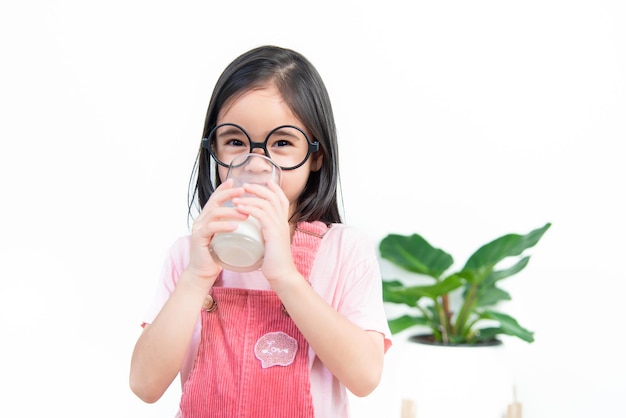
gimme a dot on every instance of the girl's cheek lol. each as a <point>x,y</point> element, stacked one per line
<point>222,172</point>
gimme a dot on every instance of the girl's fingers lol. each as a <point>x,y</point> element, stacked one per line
<point>218,200</point>
<point>217,217</point>
<point>220,219</point>
<point>222,194</point>
<point>271,193</point>
<point>270,207</point>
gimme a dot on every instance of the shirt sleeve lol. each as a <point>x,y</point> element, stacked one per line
<point>173,266</point>
<point>349,267</point>
<point>363,303</point>
<point>175,262</point>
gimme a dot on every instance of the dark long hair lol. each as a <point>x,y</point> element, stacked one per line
<point>303,90</point>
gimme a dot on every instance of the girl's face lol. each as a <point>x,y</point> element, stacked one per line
<point>259,111</point>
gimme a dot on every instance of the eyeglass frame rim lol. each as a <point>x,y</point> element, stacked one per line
<point>313,146</point>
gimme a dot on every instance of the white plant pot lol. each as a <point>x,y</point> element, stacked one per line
<point>453,381</point>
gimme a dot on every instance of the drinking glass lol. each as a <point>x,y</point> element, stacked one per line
<point>242,249</point>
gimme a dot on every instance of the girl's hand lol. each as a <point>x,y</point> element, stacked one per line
<point>271,207</point>
<point>214,218</point>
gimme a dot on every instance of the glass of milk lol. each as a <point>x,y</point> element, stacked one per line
<point>242,249</point>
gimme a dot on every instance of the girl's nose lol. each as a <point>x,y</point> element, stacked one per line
<point>258,151</point>
<point>260,163</point>
<point>257,168</point>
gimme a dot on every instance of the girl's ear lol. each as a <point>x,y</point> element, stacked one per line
<point>316,161</point>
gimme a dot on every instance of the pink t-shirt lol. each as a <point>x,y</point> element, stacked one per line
<point>345,274</point>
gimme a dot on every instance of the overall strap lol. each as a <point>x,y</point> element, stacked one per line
<point>304,245</point>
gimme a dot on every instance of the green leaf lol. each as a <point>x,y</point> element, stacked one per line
<point>491,296</point>
<point>394,291</point>
<point>447,285</point>
<point>487,334</point>
<point>503,274</point>
<point>481,263</point>
<point>406,321</point>
<point>509,326</point>
<point>413,253</point>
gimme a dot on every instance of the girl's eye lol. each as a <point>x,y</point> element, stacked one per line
<point>282,143</point>
<point>235,142</point>
<point>283,138</point>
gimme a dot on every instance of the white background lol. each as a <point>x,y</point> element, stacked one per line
<point>459,120</point>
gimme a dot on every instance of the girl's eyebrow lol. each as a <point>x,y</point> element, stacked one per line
<point>290,132</point>
<point>229,131</point>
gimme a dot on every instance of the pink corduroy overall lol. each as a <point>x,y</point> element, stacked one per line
<point>252,360</point>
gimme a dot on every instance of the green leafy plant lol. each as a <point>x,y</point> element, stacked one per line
<point>475,285</point>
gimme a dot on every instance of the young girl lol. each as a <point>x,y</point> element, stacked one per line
<point>288,339</point>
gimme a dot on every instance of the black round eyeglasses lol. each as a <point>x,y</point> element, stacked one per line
<point>287,145</point>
